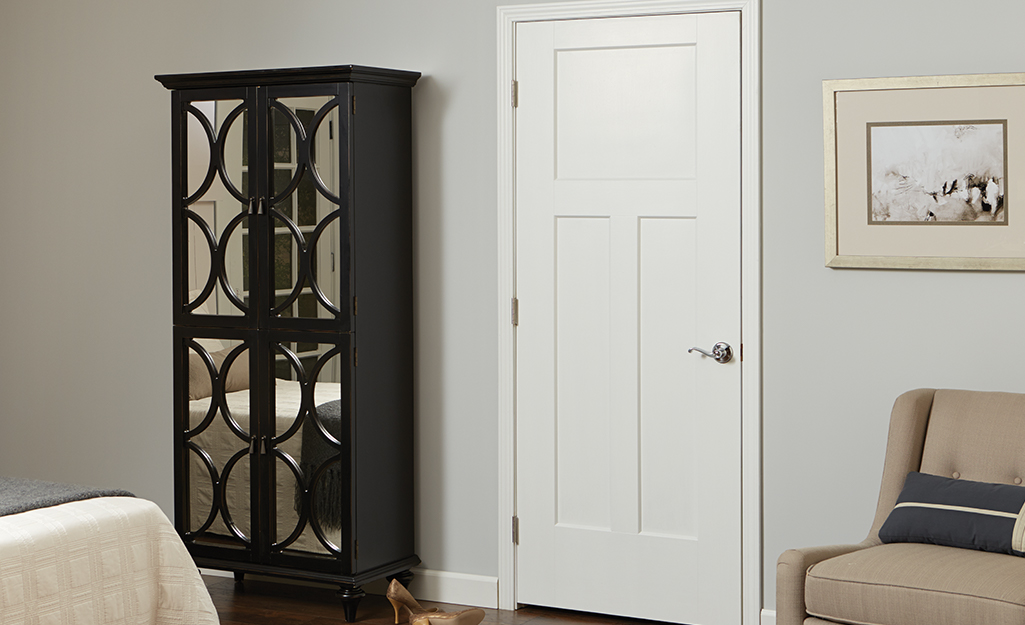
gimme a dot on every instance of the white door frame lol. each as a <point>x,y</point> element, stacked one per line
<point>751,272</point>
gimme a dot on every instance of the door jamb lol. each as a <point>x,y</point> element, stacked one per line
<point>751,272</point>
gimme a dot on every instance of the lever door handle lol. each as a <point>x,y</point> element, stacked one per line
<point>721,352</point>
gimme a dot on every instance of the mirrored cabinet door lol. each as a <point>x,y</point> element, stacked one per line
<point>311,445</point>
<point>308,200</point>
<point>216,216</point>
<point>263,219</point>
<point>219,430</point>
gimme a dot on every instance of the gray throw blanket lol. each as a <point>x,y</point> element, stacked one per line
<point>20,495</point>
<point>315,451</point>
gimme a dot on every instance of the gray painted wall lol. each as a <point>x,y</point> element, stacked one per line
<point>85,381</point>
<point>840,345</point>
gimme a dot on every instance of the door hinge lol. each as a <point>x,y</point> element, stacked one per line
<point>331,135</point>
<point>355,550</point>
<point>741,352</point>
<point>355,306</point>
<point>352,107</point>
<point>355,356</point>
<point>516,530</point>
<point>515,311</point>
<point>515,93</point>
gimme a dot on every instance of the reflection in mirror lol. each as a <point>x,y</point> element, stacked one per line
<point>200,383</point>
<point>218,207</point>
<point>309,201</point>
<point>234,377</point>
<point>219,440</point>
<point>198,142</point>
<point>199,259</point>
<point>284,251</point>
<point>326,499</point>
<point>305,444</point>
<point>288,490</point>
<point>237,499</point>
<point>295,363</point>
<point>201,501</point>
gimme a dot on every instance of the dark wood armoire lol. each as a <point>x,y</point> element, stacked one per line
<point>293,322</point>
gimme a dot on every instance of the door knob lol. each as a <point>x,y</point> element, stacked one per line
<point>722,352</point>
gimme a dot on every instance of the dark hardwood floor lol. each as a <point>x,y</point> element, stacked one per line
<point>261,602</point>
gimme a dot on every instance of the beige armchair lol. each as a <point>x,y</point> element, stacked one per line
<point>970,435</point>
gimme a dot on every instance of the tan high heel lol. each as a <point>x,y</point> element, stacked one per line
<point>473,616</point>
<point>400,599</point>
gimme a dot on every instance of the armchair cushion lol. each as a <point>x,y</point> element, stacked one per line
<point>917,584</point>
<point>958,513</point>
<point>791,569</point>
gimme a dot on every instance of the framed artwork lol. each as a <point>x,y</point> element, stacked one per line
<point>925,172</point>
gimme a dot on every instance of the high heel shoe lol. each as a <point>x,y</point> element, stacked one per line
<point>400,599</point>
<point>473,616</point>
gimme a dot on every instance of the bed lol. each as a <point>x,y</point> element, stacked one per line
<point>104,560</point>
<point>221,444</point>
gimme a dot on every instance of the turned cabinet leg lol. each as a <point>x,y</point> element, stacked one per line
<point>404,577</point>
<point>350,596</point>
<point>240,576</point>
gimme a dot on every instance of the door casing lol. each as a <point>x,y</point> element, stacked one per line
<point>751,269</point>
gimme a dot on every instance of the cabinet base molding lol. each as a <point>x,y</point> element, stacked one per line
<point>428,585</point>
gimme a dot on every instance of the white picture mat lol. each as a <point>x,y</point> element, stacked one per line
<point>855,109</point>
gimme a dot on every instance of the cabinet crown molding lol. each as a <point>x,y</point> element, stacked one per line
<point>288,76</point>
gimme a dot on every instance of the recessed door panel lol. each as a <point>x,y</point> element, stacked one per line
<point>616,129</point>
<point>667,271</point>
<point>582,371</point>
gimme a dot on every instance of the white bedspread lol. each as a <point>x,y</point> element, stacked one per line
<point>109,560</point>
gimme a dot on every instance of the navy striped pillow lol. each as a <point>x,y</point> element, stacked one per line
<point>958,513</point>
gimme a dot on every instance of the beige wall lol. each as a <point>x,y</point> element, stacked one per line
<point>85,377</point>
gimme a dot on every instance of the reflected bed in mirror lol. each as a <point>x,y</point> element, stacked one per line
<point>308,449</point>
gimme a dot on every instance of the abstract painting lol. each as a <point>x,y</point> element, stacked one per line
<point>921,172</point>
<point>937,172</point>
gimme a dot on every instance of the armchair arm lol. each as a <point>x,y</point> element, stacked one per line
<point>791,568</point>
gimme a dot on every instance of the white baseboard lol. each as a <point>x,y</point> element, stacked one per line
<point>445,587</point>
<point>768,617</point>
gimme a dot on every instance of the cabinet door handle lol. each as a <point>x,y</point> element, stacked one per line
<point>261,207</point>
<point>252,206</point>
<point>252,445</point>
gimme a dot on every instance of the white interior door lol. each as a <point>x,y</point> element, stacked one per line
<point>628,254</point>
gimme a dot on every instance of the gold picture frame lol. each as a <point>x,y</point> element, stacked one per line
<point>924,172</point>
